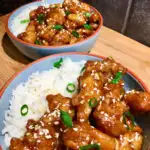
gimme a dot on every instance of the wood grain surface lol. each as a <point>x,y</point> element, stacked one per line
<point>128,52</point>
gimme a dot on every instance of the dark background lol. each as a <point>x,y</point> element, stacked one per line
<point>129,17</point>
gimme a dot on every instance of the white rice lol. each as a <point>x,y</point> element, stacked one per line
<point>33,93</point>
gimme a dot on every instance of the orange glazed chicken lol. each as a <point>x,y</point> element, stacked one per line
<point>97,117</point>
<point>61,24</point>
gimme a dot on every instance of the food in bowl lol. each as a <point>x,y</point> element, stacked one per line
<point>85,107</point>
<point>60,24</point>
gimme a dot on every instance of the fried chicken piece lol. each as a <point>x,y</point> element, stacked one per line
<point>42,134</point>
<point>56,16</point>
<point>83,134</point>
<point>130,141</point>
<point>89,88</point>
<point>61,38</point>
<point>138,101</point>
<point>60,102</point>
<point>109,112</point>
<point>30,34</point>
<point>17,144</point>
<point>91,84</point>
<point>79,19</point>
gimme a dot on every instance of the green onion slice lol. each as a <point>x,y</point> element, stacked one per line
<point>66,119</point>
<point>93,102</point>
<point>83,69</point>
<point>90,146</point>
<point>87,14</point>
<point>87,26</point>
<point>129,115</point>
<point>58,27</point>
<point>24,21</point>
<point>71,87</point>
<point>38,42</point>
<point>58,63</point>
<point>75,34</point>
<point>24,110</point>
<point>117,78</point>
<point>67,13</point>
<point>41,18</point>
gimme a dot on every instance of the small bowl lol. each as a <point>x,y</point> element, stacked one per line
<point>36,51</point>
<point>130,79</point>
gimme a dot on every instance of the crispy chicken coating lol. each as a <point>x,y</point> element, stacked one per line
<point>110,111</point>
<point>138,101</point>
<point>83,134</point>
<point>42,134</point>
<point>130,141</point>
<point>60,102</point>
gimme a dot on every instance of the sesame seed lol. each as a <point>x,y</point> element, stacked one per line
<point>82,120</point>
<point>75,129</point>
<point>56,122</point>
<point>48,136</point>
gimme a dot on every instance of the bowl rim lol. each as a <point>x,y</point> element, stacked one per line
<point>2,90</point>
<point>6,20</point>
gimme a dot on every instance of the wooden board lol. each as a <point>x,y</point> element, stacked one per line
<point>128,52</point>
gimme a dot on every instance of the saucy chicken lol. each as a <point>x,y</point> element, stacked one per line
<point>97,117</point>
<point>60,24</point>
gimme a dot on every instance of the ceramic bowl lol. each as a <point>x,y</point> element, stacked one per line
<point>46,63</point>
<point>36,51</point>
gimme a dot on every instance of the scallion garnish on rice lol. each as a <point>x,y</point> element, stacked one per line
<point>93,102</point>
<point>58,63</point>
<point>90,146</point>
<point>66,119</point>
<point>128,115</point>
<point>24,21</point>
<point>83,69</point>
<point>71,87</point>
<point>117,78</point>
<point>24,110</point>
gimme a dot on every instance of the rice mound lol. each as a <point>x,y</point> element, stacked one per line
<point>33,93</point>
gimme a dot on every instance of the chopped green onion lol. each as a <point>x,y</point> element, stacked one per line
<point>58,27</point>
<point>38,42</point>
<point>71,87</point>
<point>41,18</point>
<point>117,78</point>
<point>67,13</point>
<point>83,69</point>
<point>90,146</point>
<point>93,102</point>
<point>24,21</point>
<point>24,110</point>
<point>58,63</point>
<point>87,26</point>
<point>125,116</point>
<point>75,34</point>
<point>66,119</point>
<point>87,14</point>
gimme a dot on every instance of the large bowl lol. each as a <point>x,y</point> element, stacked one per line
<point>36,51</point>
<point>130,79</point>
